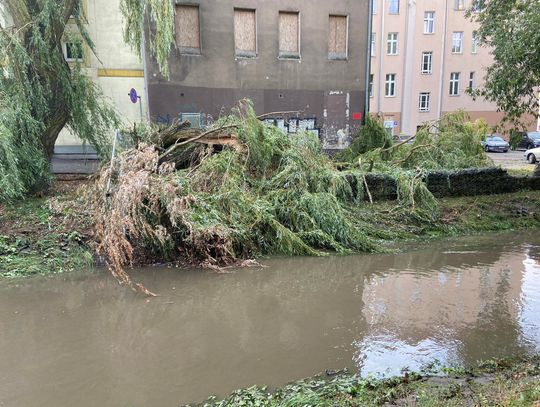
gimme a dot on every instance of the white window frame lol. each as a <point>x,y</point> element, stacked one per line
<point>427,59</point>
<point>459,4</point>
<point>375,6</point>
<point>424,101</point>
<point>371,84</point>
<point>472,80</point>
<point>392,43</point>
<point>64,50</point>
<point>390,85</point>
<point>457,42</point>
<point>373,44</point>
<point>429,22</point>
<point>454,83</point>
<point>393,6</point>
<point>474,43</point>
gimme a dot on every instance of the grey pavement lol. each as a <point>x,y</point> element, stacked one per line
<point>74,164</point>
<point>511,160</point>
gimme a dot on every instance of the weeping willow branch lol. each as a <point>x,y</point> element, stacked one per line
<point>160,15</point>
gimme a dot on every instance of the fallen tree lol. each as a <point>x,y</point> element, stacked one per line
<point>242,189</point>
<point>264,193</point>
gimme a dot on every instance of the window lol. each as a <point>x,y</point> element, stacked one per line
<point>73,51</point>
<point>375,6</point>
<point>394,7</point>
<point>478,5</point>
<point>459,4</point>
<point>429,22</point>
<point>390,85</point>
<point>457,42</point>
<point>392,44</point>
<point>373,47</point>
<point>371,85</point>
<point>427,62</point>
<point>338,38</point>
<point>474,45</point>
<point>289,34</point>
<point>472,80</point>
<point>454,84</point>
<point>245,33</point>
<point>188,39</point>
<point>423,102</point>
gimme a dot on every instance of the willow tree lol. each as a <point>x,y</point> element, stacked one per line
<point>509,28</point>
<point>41,93</point>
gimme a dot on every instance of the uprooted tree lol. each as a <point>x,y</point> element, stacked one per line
<point>243,189</point>
<point>41,93</point>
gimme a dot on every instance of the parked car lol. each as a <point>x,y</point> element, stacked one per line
<point>495,142</point>
<point>529,140</point>
<point>532,155</point>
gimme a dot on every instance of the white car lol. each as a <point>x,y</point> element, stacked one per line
<point>532,155</point>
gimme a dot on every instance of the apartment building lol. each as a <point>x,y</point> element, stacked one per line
<point>309,56</point>
<point>424,56</point>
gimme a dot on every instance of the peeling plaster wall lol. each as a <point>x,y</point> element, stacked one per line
<point>329,94</point>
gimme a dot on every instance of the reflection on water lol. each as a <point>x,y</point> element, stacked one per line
<point>79,340</point>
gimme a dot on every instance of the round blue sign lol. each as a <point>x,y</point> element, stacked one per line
<point>133,95</point>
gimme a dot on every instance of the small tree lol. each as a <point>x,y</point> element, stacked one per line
<point>509,28</point>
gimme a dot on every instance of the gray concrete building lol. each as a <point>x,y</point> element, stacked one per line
<point>308,56</point>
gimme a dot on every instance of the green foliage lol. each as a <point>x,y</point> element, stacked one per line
<point>41,93</point>
<point>159,14</point>
<point>450,144</point>
<point>270,194</point>
<point>372,135</point>
<point>509,28</point>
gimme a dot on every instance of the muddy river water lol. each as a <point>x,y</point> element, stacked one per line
<point>79,340</point>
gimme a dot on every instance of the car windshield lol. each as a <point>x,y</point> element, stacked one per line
<point>535,135</point>
<point>495,138</point>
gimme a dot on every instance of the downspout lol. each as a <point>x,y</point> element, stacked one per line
<point>145,69</point>
<point>368,60</point>
<point>381,55</point>
<point>407,64</point>
<point>443,59</point>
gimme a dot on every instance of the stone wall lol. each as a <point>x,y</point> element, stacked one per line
<point>470,182</point>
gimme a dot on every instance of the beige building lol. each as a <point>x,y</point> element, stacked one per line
<point>424,55</point>
<point>115,68</point>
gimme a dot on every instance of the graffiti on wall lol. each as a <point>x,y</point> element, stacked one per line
<point>294,125</point>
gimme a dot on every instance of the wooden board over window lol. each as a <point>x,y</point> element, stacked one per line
<point>338,37</point>
<point>188,37</point>
<point>245,33</point>
<point>289,34</point>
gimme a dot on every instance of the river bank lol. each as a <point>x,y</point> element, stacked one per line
<point>53,234</point>
<point>506,383</point>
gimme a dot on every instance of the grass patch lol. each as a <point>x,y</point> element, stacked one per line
<point>493,383</point>
<point>45,235</point>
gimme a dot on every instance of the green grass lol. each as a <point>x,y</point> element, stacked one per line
<point>496,383</point>
<point>43,236</point>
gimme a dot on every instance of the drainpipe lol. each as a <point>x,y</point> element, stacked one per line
<point>443,60</point>
<point>381,55</point>
<point>408,64</point>
<point>368,60</point>
<point>145,70</point>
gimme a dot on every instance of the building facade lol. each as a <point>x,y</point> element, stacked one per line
<point>285,55</point>
<point>115,68</point>
<point>424,56</point>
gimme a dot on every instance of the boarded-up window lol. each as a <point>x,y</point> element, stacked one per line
<point>245,33</point>
<point>337,37</point>
<point>289,35</point>
<point>188,37</point>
